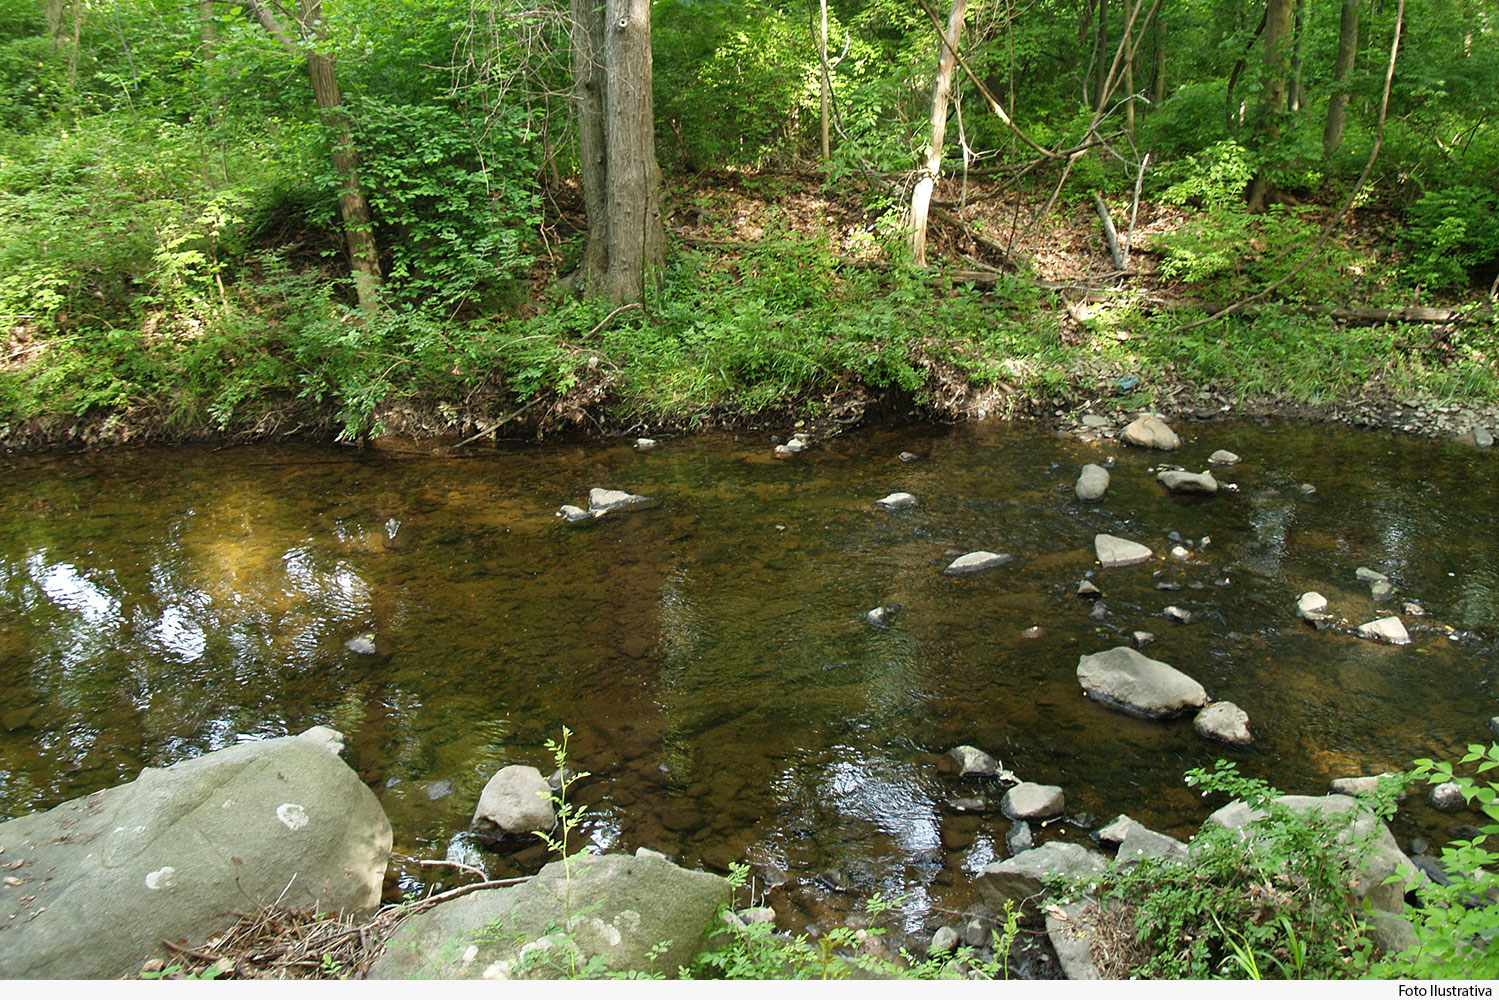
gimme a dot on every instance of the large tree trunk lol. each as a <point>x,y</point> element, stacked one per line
<point>627,244</point>
<point>1337,104</point>
<point>1278,20</point>
<point>364,256</point>
<point>921,196</point>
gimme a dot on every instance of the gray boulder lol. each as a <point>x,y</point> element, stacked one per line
<point>1223,457</point>
<point>945,940</point>
<point>1114,831</point>
<point>1224,721</point>
<point>615,908</point>
<point>1142,842</point>
<point>975,562</point>
<point>1365,784</point>
<point>603,501</point>
<point>1113,551</point>
<point>1390,630</point>
<point>104,879</point>
<point>1018,837</point>
<point>1092,483</point>
<point>1029,800</point>
<point>1071,934</point>
<point>1182,481</point>
<point>1312,606</point>
<point>516,802</point>
<point>1022,879</point>
<point>1477,437</point>
<point>1382,859</point>
<point>1132,682</point>
<point>896,501</point>
<point>974,763</point>
<point>1150,431</point>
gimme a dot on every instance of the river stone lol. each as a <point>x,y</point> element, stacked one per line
<point>1381,591</point>
<point>1088,589</point>
<point>1366,575</point>
<point>974,562</point>
<point>607,500</point>
<point>1150,431</point>
<point>1095,421</point>
<point>1021,879</point>
<point>1365,784</point>
<point>896,501</point>
<point>1223,457</point>
<point>878,617</point>
<point>908,457</point>
<point>945,940</point>
<point>1132,682</point>
<point>1390,630</point>
<point>1476,437</point>
<point>644,444</point>
<point>1113,551</point>
<point>1018,837</point>
<point>1115,830</point>
<point>517,802</point>
<point>1494,726</point>
<point>973,762</point>
<point>1029,800</point>
<point>1182,481</point>
<point>1177,614</point>
<point>1447,795</point>
<point>1311,606</point>
<point>362,644</point>
<point>1142,842</point>
<point>1071,934</point>
<point>1224,721</point>
<point>1382,859</point>
<point>1142,638</point>
<point>623,909</point>
<point>1092,483</point>
<point>172,854</point>
<point>573,514</point>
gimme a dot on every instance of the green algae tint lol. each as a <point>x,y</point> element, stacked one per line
<point>710,652</point>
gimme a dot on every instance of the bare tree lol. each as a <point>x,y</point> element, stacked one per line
<point>921,195</point>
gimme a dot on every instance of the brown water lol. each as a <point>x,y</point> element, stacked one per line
<point>709,652</point>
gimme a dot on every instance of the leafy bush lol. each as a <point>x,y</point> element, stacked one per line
<point>1449,236</point>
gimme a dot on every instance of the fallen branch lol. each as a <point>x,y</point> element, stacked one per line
<point>1109,234</point>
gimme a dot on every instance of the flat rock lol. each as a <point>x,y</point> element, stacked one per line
<point>1113,551</point>
<point>1176,614</point>
<point>896,501</point>
<point>1092,483</point>
<point>516,802</point>
<point>1095,421</point>
<point>1142,842</point>
<point>1115,830</point>
<point>1391,630</point>
<point>974,562</point>
<point>1071,935</point>
<point>1150,431</point>
<point>1223,457</point>
<point>574,514</point>
<point>1312,606</point>
<point>1224,721</point>
<point>1022,879</point>
<point>100,881</point>
<point>1029,800</point>
<point>1182,481</point>
<point>1125,679</point>
<point>631,914</point>
<point>604,501</point>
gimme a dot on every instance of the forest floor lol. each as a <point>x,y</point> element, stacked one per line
<point>1023,316</point>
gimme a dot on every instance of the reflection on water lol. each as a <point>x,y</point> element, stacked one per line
<point>710,654</point>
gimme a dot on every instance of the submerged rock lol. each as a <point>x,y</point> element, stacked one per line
<point>1182,481</point>
<point>896,501</point>
<point>1366,575</point>
<point>1224,721</point>
<point>1391,630</point>
<point>1092,483</point>
<point>1447,795</point>
<point>1113,551</point>
<point>1150,431</point>
<point>362,644</point>
<point>975,562</point>
<point>1134,683</point>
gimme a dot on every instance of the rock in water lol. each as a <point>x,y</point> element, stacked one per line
<point>1366,575</point>
<point>1223,457</point>
<point>1224,721</point>
<point>641,914</point>
<point>1312,606</point>
<point>517,802</point>
<point>1476,437</point>
<point>644,444</point>
<point>944,941</point>
<point>896,501</point>
<point>878,617</point>
<point>1447,795</point>
<point>1132,682</point>
<point>100,881</point>
<point>604,501</point>
<point>1029,800</point>
<point>1150,431</point>
<point>574,514</point>
<point>975,562</point>
<point>1176,614</point>
<point>1088,590</point>
<point>1092,483</point>
<point>1018,837</point>
<point>908,457</point>
<point>1391,630</point>
<point>1114,551</point>
<point>1022,879</point>
<point>362,644</point>
<point>1181,481</point>
<point>973,762</point>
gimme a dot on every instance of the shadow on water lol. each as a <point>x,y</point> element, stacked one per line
<point>710,654</point>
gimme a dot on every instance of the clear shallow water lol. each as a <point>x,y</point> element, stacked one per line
<point>709,652</point>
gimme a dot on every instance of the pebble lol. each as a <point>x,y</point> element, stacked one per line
<point>908,457</point>
<point>1223,457</point>
<point>1143,638</point>
<point>1176,614</point>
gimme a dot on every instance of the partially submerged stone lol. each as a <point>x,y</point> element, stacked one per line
<point>975,562</point>
<point>1029,800</point>
<point>1390,630</point>
<point>1176,614</point>
<point>1150,431</point>
<point>1312,606</point>
<point>603,501</point>
<point>1092,483</point>
<point>1223,457</point>
<point>515,803</point>
<point>1134,683</point>
<point>1224,721</point>
<point>1113,551</point>
<point>1022,878</point>
<point>896,501</point>
<point>575,514</point>
<point>1182,481</point>
<point>973,762</point>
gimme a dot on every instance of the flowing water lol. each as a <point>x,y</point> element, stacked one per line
<point>709,652</point>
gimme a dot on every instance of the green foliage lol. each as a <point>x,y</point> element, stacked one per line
<point>1456,925</point>
<point>1449,236</point>
<point>1266,901</point>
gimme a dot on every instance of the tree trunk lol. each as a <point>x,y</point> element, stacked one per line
<point>1337,104</point>
<point>921,196</point>
<point>1158,65</point>
<point>827,85</point>
<point>206,27</point>
<point>1278,19</point>
<point>1100,48</point>
<point>364,256</point>
<point>626,241</point>
<point>1294,94</point>
<point>1129,72</point>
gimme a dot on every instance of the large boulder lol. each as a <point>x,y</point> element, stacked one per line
<point>516,802</point>
<point>1382,858</point>
<point>102,880</point>
<point>640,914</point>
<point>1022,879</point>
<point>1132,682</point>
<point>1028,800</point>
<point>1150,431</point>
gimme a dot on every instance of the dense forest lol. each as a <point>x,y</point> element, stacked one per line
<point>449,215</point>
